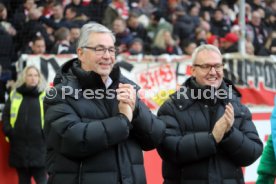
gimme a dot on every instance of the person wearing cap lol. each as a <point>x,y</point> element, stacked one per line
<point>229,43</point>
<point>136,47</point>
<point>209,138</point>
<point>213,40</point>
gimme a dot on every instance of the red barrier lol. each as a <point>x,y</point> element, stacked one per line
<point>7,174</point>
<point>153,165</point>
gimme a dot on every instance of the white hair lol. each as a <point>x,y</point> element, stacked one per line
<point>208,47</point>
<point>89,28</point>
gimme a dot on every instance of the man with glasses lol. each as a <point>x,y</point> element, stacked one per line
<point>209,133</point>
<point>96,126</point>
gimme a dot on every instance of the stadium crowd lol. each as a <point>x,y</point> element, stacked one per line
<point>151,27</point>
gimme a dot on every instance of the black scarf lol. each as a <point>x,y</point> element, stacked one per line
<point>28,90</point>
<point>206,94</point>
<point>91,79</point>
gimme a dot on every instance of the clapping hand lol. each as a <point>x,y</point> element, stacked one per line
<point>224,124</point>
<point>126,96</point>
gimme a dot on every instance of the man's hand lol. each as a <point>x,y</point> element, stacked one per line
<point>127,94</point>
<point>127,99</point>
<point>229,116</point>
<point>224,124</point>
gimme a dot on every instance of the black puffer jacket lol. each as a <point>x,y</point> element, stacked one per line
<point>189,152</point>
<point>26,138</point>
<point>88,141</point>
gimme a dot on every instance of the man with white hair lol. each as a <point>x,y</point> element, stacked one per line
<point>96,126</point>
<point>209,133</point>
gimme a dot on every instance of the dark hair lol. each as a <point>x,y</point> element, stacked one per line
<point>218,9</point>
<point>157,14</point>
<point>136,40</point>
<point>36,38</point>
<point>61,34</point>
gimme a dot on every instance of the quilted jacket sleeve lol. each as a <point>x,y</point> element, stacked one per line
<point>178,147</point>
<point>72,137</point>
<point>243,144</point>
<point>148,129</point>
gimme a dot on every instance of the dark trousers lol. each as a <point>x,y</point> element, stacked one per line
<point>25,175</point>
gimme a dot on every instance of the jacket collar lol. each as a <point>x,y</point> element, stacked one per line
<point>69,73</point>
<point>184,97</point>
<point>92,80</point>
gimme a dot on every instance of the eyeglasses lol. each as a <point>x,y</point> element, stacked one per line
<point>207,67</point>
<point>99,50</point>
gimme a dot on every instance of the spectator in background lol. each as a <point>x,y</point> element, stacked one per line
<point>229,43</point>
<point>163,43</point>
<point>23,125</point>
<point>157,22</point>
<point>183,26</point>
<point>96,9</point>
<point>122,34</point>
<point>6,83</point>
<point>271,6</point>
<point>208,137</point>
<point>270,21</point>
<point>219,25</point>
<point>236,29</point>
<point>57,19</point>
<point>5,25</point>
<point>138,30</point>
<point>194,10</point>
<point>208,5</point>
<point>205,25</point>
<point>213,40</point>
<point>200,36</point>
<point>72,17</point>
<point>177,44</point>
<point>74,36</point>
<point>21,16</point>
<point>174,8</point>
<point>256,31</point>
<point>189,47</point>
<point>7,45</point>
<point>255,4</point>
<point>143,7</point>
<point>77,6</point>
<point>249,48</point>
<point>62,42</point>
<point>102,136</point>
<point>161,5</point>
<point>115,9</point>
<point>136,47</point>
<point>270,45</point>
<point>7,50</point>
<point>37,46</point>
<point>229,14</point>
<point>33,28</point>
<point>205,16</point>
